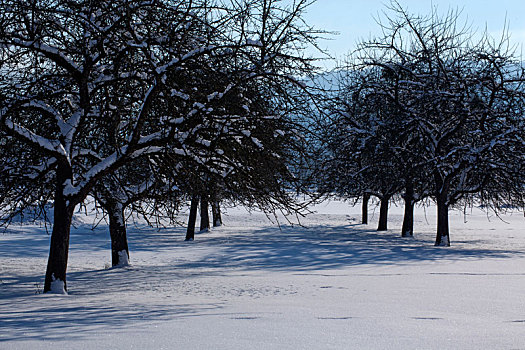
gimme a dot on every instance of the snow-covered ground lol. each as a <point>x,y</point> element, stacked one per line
<point>333,284</point>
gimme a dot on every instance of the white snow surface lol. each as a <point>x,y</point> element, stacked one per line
<point>332,284</point>
<point>57,286</point>
<point>123,258</point>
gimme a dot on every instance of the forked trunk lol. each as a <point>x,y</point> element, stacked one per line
<point>205,216</point>
<point>383,214</point>
<point>55,280</point>
<point>442,236</point>
<point>216,213</point>
<point>408,219</point>
<point>364,208</point>
<point>190,231</point>
<point>117,232</point>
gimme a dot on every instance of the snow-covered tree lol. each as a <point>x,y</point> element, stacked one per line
<point>71,71</point>
<point>244,107</point>
<point>459,103</point>
<point>136,189</point>
<point>360,158</point>
<point>369,120</point>
<point>62,60</point>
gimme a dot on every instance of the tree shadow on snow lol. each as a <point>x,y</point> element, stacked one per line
<point>330,247</point>
<point>174,271</point>
<point>58,319</point>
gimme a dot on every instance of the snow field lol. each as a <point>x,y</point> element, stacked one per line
<point>332,284</point>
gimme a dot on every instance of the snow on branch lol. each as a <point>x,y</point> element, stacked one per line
<point>198,51</point>
<point>106,164</point>
<point>146,104</point>
<point>219,95</point>
<point>53,146</point>
<point>52,53</point>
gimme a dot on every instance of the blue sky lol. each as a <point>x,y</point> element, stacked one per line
<point>354,19</point>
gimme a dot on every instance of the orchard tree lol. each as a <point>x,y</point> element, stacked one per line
<point>241,139</point>
<point>25,182</point>
<point>360,157</point>
<point>72,68</point>
<point>244,113</point>
<point>136,189</point>
<point>59,58</point>
<point>462,100</point>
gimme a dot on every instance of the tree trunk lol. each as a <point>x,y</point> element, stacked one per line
<point>190,231</point>
<point>383,214</point>
<point>408,219</point>
<point>216,213</point>
<point>364,208</point>
<point>55,280</point>
<point>117,232</point>
<point>442,236</point>
<point>205,216</point>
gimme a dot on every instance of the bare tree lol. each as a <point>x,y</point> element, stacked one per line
<point>135,189</point>
<point>460,103</point>
<point>72,71</point>
<point>361,144</point>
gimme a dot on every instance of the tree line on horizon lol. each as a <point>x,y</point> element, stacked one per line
<point>148,106</point>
